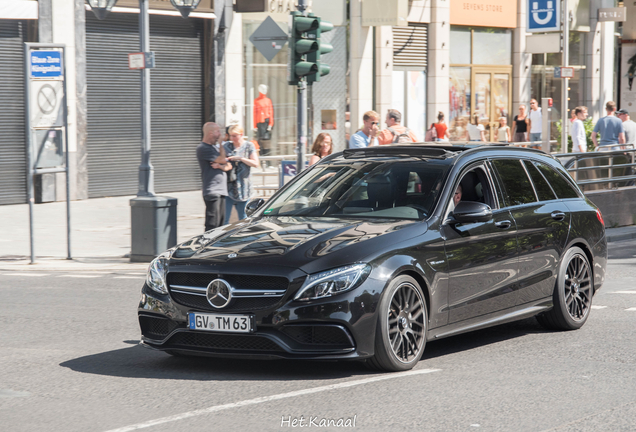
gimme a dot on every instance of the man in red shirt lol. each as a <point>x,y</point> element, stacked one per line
<point>395,133</point>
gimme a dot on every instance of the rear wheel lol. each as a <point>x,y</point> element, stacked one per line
<point>401,331</point>
<point>572,293</point>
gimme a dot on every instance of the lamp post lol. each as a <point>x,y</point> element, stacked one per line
<point>153,218</point>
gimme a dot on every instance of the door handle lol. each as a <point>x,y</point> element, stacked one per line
<point>504,224</point>
<point>557,215</point>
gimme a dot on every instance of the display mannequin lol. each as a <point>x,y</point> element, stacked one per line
<point>263,119</point>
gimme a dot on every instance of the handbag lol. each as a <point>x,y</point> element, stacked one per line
<point>231,174</point>
<point>431,134</point>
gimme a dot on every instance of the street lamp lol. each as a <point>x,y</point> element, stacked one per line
<point>185,6</point>
<point>101,7</point>
<point>153,218</point>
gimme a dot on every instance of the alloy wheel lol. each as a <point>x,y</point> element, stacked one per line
<point>406,323</point>
<point>578,288</point>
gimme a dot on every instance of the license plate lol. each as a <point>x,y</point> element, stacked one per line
<point>221,323</point>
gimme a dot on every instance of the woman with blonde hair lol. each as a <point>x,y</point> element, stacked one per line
<point>322,147</point>
<point>243,156</point>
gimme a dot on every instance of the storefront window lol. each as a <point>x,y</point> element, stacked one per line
<point>459,115</point>
<point>492,46</point>
<point>270,107</point>
<point>460,45</point>
<point>409,97</point>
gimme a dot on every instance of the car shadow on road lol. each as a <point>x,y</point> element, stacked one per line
<point>138,362</point>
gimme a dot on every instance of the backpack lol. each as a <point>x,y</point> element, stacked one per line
<point>431,134</point>
<point>401,138</point>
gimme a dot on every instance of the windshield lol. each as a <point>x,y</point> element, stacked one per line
<point>398,189</point>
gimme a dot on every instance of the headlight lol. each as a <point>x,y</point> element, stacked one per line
<point>156,278</point>
<point>333,282</point>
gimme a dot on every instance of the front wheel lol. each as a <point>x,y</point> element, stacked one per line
<point>401,330</point>
<point>572,295</point>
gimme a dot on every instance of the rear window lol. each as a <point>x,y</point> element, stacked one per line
<point>544,191</point>
<point>561,186</point>
<point>516,183</point>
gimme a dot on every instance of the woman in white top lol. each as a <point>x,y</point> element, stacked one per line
<point>476,131</point>
<point>579,142</point>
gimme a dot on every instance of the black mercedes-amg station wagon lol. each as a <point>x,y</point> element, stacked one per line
<point>372,252</point>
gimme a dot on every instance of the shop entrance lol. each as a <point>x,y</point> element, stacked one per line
<point>492,87</point>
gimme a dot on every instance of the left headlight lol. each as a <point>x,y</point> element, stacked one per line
<point>331,282</point>
<point>156,277</point>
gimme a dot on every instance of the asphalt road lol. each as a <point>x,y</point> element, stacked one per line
<point>69,361</point>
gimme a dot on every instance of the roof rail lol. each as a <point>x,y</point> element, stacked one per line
<point>411,150</point>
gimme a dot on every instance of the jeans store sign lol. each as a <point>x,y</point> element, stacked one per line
<point>544,16</point>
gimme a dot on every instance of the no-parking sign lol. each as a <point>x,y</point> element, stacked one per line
<point>544,16</point>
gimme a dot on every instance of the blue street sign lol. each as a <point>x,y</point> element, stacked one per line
<point>557,72</point>
<point>45,64</point>
<point>544,16</point>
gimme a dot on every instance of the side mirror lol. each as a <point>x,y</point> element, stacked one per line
<point>471,211</point>
<point>253,205</point>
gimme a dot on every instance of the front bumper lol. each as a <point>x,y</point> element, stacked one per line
<point>339,327</point>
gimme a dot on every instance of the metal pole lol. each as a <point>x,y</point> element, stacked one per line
<point>601,87</point>
<point>29,143</point>
<point>301,110</point>
<point>565,121</point>
<point>146,170</point>
<point>68,181</point>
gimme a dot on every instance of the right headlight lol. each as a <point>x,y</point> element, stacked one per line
<point>157,270</point>
<point>331,282</point>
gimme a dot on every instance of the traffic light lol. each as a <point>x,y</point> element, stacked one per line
<point>305,48</point>
<point>323,48</point>
<point>301,43</point>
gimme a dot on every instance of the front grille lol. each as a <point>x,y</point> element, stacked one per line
<point>257,300</point>
<point>238,304</point>
<point>263,283</point>
<point>318,334</point>
<point>223,342</point>
<point>155,327</point>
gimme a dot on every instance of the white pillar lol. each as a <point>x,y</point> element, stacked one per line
<point>521,62</point>
<point>438,60</point>
<point>361,55</point>
<point>384,70</point>
<point>593,62</point>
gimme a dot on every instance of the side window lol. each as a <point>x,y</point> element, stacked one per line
<point>561,186</point>
<point>544,191</point>
<point>515,181</point>
<point>475,186</point>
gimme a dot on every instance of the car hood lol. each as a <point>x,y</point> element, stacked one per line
<point>309,244</point>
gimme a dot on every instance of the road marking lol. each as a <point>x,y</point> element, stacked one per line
<point>598,307</point>
<point>80,276</point>
<point>264,399</point>
<point>27,274</point>
<point>631,309</point>
<point>623,292</point>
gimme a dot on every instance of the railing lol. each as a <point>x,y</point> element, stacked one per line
<point>609,167</point>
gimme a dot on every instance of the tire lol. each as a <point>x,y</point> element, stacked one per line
<point>572,295</point>
<point>400,335</point>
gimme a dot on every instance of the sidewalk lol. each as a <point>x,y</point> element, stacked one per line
<point>100,233</point>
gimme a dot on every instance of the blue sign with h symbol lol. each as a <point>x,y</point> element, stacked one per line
<point>544,15</point>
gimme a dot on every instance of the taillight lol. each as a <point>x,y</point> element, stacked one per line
<point>599,216</point>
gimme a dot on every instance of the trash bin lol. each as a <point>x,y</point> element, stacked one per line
<point>153,226</point>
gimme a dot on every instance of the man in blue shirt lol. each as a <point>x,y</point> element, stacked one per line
<point>366,136</point>
<point>610,128</point>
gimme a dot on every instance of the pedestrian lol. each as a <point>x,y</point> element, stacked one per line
<point>476,131</point>
<point>610,127</point>
<point>441,128</point>
<point>213,164</point>
<point>322,147</point>
<point>520,127</point>
<point>629,125</point>
<point>503,133</point>
<point>366,136</point>
<point>579,142</point>
<point>395,133</point>
<point>243,157</point>
<point>535,123</point>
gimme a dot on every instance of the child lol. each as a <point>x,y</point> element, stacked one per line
<point>503,134</point>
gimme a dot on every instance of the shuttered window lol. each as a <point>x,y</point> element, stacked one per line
<point>12,127</point>
<point>114,106</point>
<point>410,47</point>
